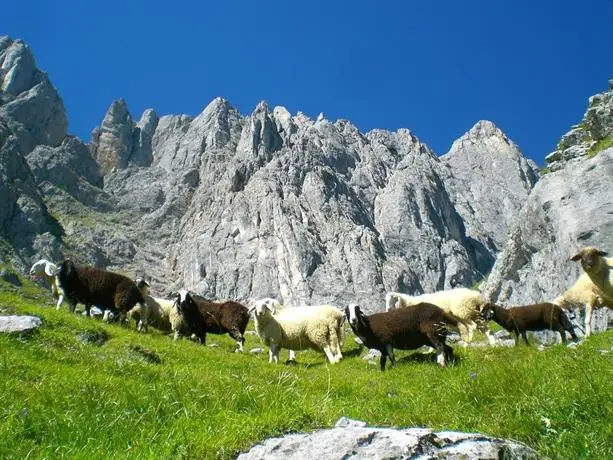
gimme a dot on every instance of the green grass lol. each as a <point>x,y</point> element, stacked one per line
<point>63,398</point>
<point>599,146</point>
<point>544,170</point>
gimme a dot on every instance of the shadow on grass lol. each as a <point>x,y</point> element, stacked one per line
<point>425,358</point>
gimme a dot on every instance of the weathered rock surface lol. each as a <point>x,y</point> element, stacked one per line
<point>568,209</point>
<point>490,180</point>
<point>351,439</point>
<point>14,323</point>
<point>585,138</point>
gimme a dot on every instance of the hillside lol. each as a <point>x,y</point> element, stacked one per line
<point>80,388</point>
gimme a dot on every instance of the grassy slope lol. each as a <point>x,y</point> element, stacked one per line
<point>61,397</point>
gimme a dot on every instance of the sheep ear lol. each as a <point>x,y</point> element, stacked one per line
<point>251,309</point>
<point>271,308</point>
<point>576,257</point>
<point>602,253</point>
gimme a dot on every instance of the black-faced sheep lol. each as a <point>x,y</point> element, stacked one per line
<point>405,329</point>
<point>202,316</point>
<point>45,269</point>
<point>537,317</point>
<point>316,327</point>
<point>594,288</point>
<point>465,304</point>
<point>94,286</point>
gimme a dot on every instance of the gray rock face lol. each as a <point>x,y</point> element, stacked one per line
<point>310,212</point>
<point>23,215</point>
<point>13,323</point>
<point>567,210</point>
<point>350,439</point>
<point>584,138</point>
<point>490,180</point>
<point>27,97</point>
<point>119,141</point>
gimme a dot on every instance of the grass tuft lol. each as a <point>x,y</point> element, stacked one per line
<point>144,396</point>
<point>599,146</point>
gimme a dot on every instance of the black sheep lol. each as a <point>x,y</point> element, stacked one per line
<point>406,329</point>
<point>536,317</point>
<point>202,316</point>
<point>94,286</point>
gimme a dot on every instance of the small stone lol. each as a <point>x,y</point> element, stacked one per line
<point>345,422</point>
<point>256,351</point>
<point>15,323</point>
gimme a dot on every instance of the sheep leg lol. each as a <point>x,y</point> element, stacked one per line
<point>273,354</point>
<point>334,345</point>
<point>87,309</point>
<point>383,359</point>
<point>588,319</point>
<point>329,354</point>
<point>470,327</point>
<point>562,332</point>
<point>60,299</point>
<point>525,337</point>
<point>176,335</point>
<point>486,330</point>
<point>439,346</point>
<point>291,355</point>
<point>240,340</point>
<point>448,352</point>
<point>390,352</point>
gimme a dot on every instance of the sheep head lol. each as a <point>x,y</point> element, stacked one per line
<point>488,310</point>
<point>261,307</point>
<point>590,258</point>
<point>143,286</point>
<point>182,300</point>
<point>354,314</point>
<point>67,267</point>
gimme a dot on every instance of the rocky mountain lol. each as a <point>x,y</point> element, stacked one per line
<point>31,114</point>
<point>269,203</point>
<point>272,204</point>
<point>569,208</point>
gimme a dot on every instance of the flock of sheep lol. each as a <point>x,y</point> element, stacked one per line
<point>409,322</point>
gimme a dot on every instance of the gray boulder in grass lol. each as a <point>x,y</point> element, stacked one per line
<point>16,323</point>
<point>352,439</point>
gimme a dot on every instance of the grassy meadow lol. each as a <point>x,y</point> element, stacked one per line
<point>145,396</point>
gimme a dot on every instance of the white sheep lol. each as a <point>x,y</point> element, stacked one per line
<point>46,269</point>
<point>594,288</point>
<point>163,314</point>
<point>463,303</point>
<point>298,328</point>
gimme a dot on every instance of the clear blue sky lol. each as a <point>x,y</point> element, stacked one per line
<point>435,67</point>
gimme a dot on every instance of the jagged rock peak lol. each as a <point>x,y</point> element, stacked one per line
<point>218,105</point>
<point>147,120</point>
<point>17,66</point>
<point>481,131</point>
<point>28,97</point>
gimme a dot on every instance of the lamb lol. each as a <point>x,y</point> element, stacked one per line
<point>405,329</point>
<point>594,288</point>
<point>94,286</point>
<point>536,317</point>
<point>465,304</point>
<point>163,314</point>
<point>316,327</point>
<point>202,316</point>
<point>45,269</point>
